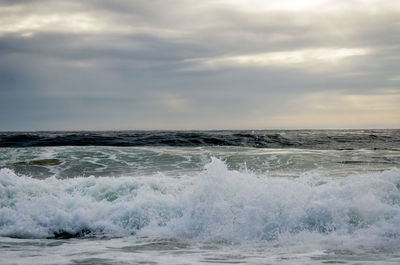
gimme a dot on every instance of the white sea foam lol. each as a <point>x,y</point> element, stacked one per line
<point>215,205</point>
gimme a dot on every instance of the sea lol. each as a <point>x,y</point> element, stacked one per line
<point>200,197</point>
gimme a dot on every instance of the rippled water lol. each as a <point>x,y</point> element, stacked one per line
<point>306,139</point>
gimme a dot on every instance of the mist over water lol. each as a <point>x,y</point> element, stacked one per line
<point>203,204</point>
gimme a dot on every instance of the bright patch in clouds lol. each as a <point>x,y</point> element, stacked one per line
<point>297,58</point>
<point>50,22</point>
<point>311,5</point>
<point>262,5</point>
<point>173,102</point>
<point>338,109</point>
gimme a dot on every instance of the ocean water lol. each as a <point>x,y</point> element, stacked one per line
<point>224,197</point>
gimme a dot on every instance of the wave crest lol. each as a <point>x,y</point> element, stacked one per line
<point>217,204</point>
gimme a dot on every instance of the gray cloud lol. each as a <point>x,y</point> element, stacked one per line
<point>140,64</point>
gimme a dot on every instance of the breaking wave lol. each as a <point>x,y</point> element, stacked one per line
<point>215,205</point>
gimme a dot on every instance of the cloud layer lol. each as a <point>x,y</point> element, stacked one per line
<point>189,64</point>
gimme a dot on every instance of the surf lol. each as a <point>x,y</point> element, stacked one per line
<point>216,204</point>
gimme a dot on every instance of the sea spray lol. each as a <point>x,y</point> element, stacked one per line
<point>216,204</point>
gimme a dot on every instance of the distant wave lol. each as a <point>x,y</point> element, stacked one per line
<point>313,139</point>
<point>216,205</point>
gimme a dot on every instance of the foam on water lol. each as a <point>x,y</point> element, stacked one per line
<point>217,205</point>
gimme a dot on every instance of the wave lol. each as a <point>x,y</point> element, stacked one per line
<point>215,205</point>
<point>310,139</point>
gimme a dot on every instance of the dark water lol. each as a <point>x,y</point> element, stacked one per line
<point>306,139</point>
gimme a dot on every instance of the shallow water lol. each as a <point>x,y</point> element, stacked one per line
<point>196,205</point>
<point>136,250</point>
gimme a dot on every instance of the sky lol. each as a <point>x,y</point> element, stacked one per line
<point>189,64</point>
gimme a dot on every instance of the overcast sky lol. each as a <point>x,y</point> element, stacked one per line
<point>190,64</point>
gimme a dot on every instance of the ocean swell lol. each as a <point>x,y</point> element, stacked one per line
<point>309,139</point>
<point>215,205</point>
